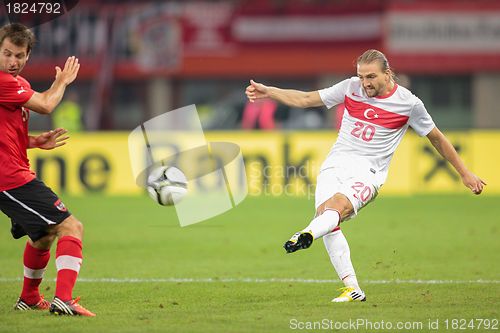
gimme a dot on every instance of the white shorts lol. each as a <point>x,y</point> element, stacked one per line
<point>354,180</point>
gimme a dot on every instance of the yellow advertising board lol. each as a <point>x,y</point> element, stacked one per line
<point>276,163</point>
<point>93,162</point>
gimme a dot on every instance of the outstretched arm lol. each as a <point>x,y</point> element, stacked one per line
<point>46,102</point>
<point>290,97</point>
<point>446,149</point>
<point>49,140</point>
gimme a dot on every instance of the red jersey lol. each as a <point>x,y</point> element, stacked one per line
<point>14,164</point>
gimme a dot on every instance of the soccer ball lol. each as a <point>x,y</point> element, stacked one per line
<point>167,185</point>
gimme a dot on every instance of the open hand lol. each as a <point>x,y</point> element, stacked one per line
<point>69,72</point>
<point>51,139</point>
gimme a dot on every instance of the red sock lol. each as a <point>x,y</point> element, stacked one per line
<point>35,261</point>
<point>68,261</point>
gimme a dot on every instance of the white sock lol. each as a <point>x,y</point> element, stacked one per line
<point>323,224</point>
<point>340,256</point>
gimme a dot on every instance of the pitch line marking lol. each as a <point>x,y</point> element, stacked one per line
<point>259,280</point>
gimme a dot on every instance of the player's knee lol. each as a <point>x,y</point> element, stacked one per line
<point>338,202</point>
<point>44,243</point>
<point>78,226</point>
<point>342,199</point>
<point>71,226</point>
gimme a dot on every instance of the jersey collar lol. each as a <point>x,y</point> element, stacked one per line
<point>390,93</point>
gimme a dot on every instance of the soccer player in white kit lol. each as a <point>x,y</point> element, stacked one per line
<point>377,114</point>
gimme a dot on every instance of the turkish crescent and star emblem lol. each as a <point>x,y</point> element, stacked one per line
<point>370,114</point>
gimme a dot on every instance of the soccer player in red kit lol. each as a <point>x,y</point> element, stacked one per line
<point>377,113</point>
<point>32,207</point>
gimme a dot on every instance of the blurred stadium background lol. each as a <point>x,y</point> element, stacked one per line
<point>140,59</point>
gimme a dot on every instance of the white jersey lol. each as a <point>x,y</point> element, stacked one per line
<point>372,127</point>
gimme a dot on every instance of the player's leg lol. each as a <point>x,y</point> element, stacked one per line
<point>35,210</point>
<point>359,191</point>
<point>336,243</point>
<point>68,261</point>
<point>35,259</point>
<point>68,256</point>
<point>340,257</point>
<point>328,216</point>
<point>22,205</point>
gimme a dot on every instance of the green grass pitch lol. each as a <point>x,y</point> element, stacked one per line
<point>136,255</point>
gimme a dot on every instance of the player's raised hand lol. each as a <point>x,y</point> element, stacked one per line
<point>256,90</point>
<point>69,72</point>
<point>51,139</point>
<point>473,182</point>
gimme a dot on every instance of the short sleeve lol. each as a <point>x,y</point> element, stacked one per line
<point>420,120</point>
<point>335,94</point>
<point>12,91</point>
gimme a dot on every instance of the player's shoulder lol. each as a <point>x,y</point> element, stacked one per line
<point>405,94</point>
<point>352,84</point>
<point>343,86</point>
<point>23,81</point>
<point>354,81</point>
<point>8,79</point>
